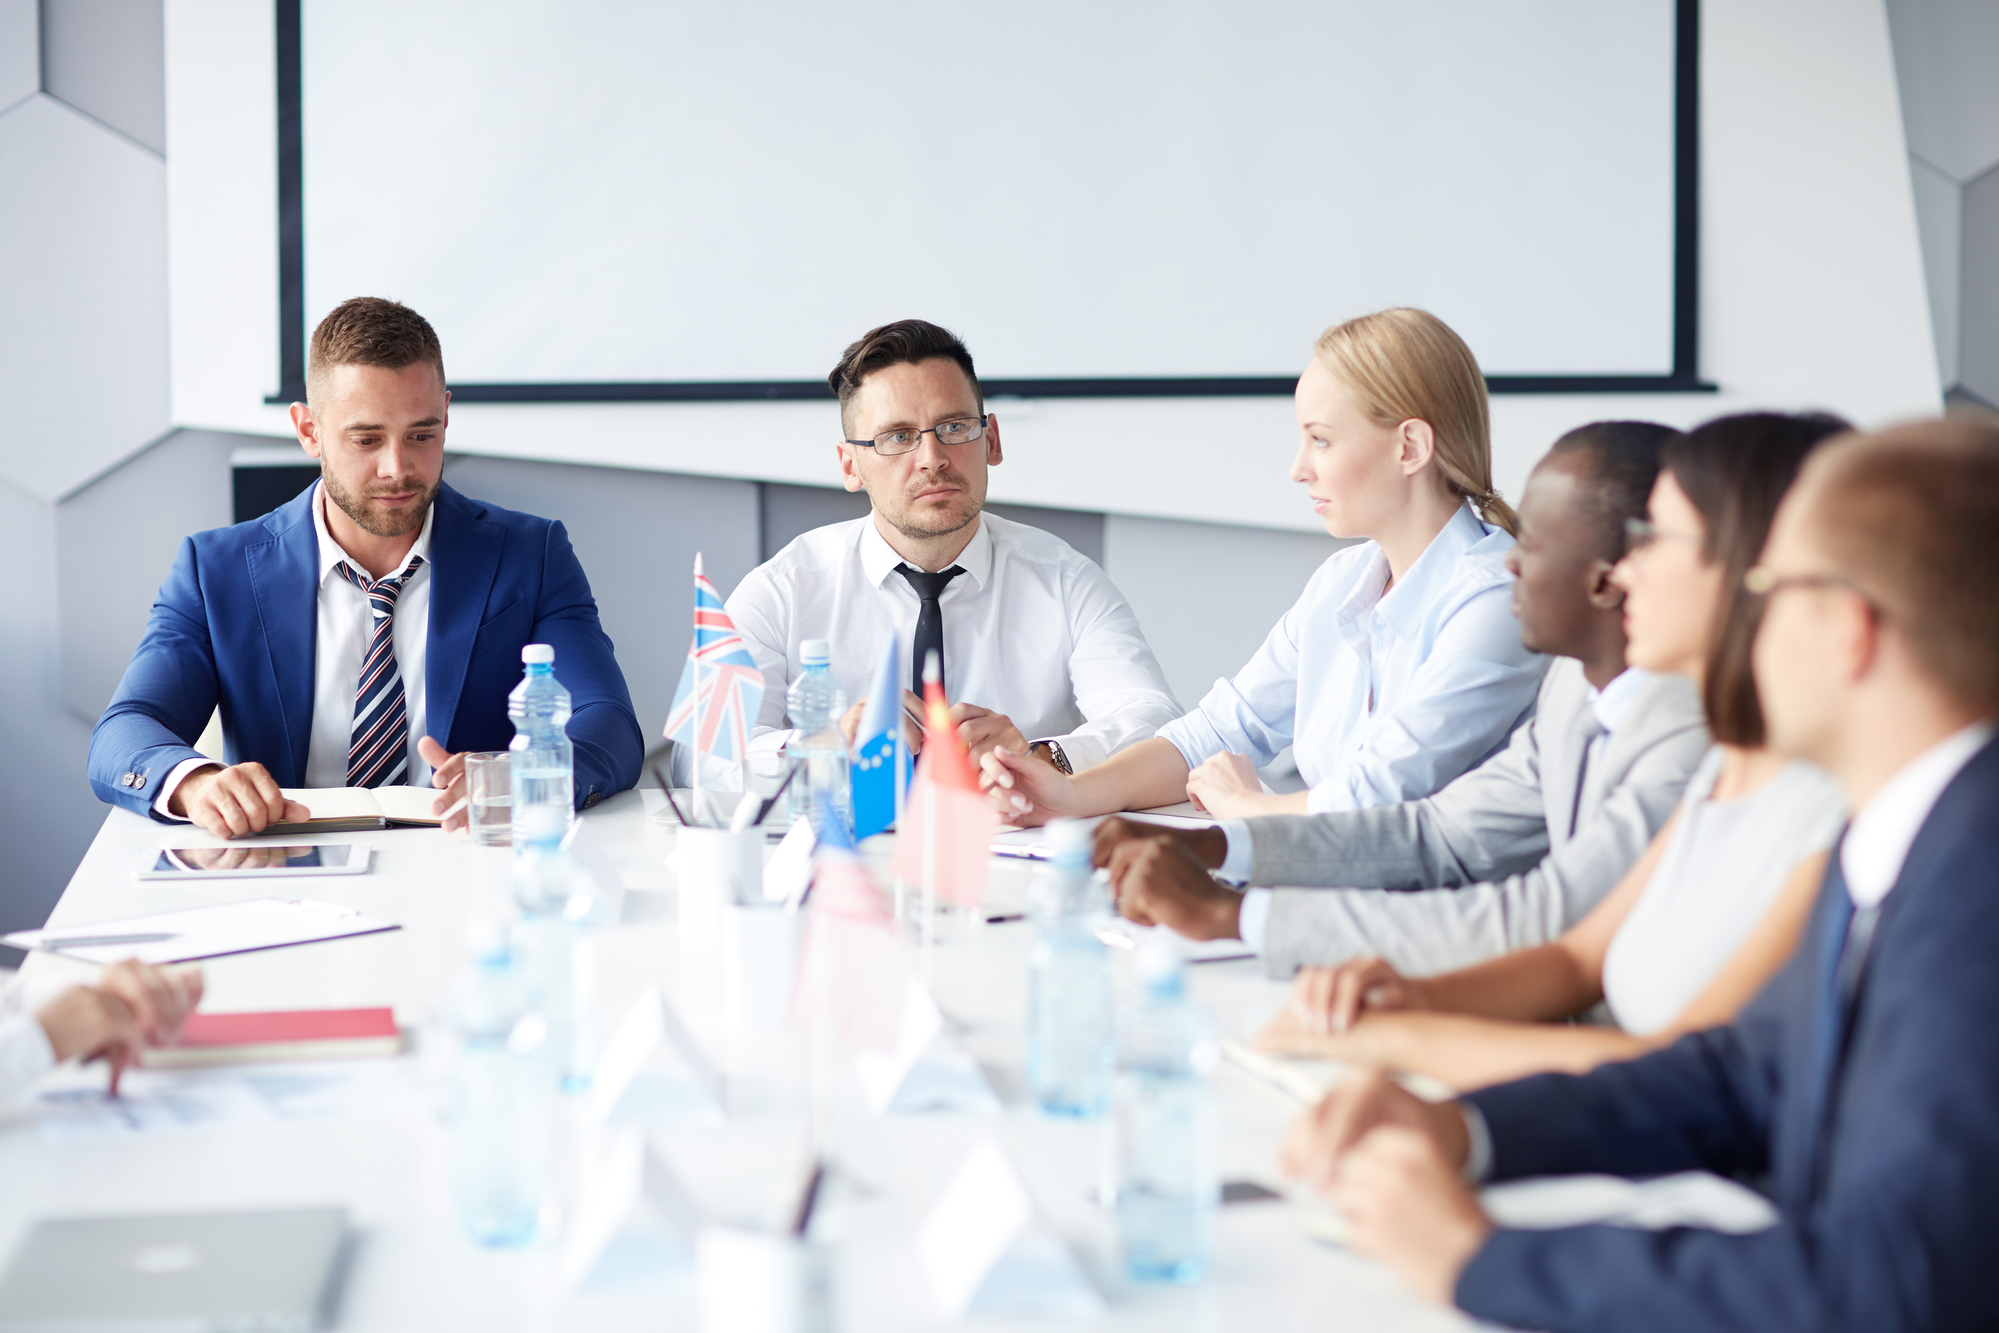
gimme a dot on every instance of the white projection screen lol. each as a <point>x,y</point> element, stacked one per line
<point>619,191</point>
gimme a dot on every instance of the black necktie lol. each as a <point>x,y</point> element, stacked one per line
<point>929,621</point>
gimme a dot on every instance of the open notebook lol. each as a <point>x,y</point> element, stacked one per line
<point>398,805</point>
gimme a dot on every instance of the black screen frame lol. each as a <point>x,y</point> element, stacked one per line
<point>1684,377</point>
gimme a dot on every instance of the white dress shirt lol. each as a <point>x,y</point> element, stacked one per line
<point>1384,697</point>
<point>345,626</point>
<point>1032,629</point>
<point>25,1053</point>
<point>1879,838</point>
<point>1611,705</point>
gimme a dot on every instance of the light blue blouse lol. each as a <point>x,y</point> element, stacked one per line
<point>1385,698</point>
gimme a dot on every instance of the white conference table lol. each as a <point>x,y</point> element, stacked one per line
<point>412,1269</point>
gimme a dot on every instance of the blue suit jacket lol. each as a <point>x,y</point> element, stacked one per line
<point>236,620</point>
<point>1890,1205</point>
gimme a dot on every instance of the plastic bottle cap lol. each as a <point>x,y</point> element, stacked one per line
<point>1071,842</point>
<point>538,654</point>
<point>486,939</point>
<point>815,652</point>
<point>1158,966</point>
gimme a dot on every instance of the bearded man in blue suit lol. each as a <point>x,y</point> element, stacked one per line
<point>1862,1085</point>
<point>368,632</point>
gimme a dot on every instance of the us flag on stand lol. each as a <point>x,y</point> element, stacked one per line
<point>720,687</point>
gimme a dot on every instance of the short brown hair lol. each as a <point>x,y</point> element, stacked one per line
<point>1734,470</point>
<point>1406,364</point>
<point>1909,514</point>
<point>369,331</point>
<point>905,342</point>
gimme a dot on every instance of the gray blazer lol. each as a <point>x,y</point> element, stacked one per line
<point>1509,855</point>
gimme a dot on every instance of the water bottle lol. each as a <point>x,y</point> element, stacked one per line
<point>558,958</point>
<point>1168,1192</point>
<point>819,753</point>
<point>1071,1044</point>
<point>543,762</point>
<point>501,1096</point>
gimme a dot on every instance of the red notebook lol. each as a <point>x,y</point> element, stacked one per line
<point>294,1034</point>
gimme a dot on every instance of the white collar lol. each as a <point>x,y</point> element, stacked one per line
<point>1878,839</point>
<point>331,552</point>
<point>879,559</point>
<point>1612,703</point>
<point>1403,606</point>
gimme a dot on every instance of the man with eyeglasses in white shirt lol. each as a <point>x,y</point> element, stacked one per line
<point>1039,651</point>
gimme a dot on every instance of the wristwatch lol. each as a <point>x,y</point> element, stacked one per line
<point>1052,752</point>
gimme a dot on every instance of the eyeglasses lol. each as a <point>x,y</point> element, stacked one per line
<point>1640,533</point>
<point>1761,581</point>
<point>959,430</point>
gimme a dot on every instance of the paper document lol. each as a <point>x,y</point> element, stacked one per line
<point>73,1106</point>
<point>405,805</point>
<point>1127,935</point>
<point>1031,844</point>
<point>203,932</point>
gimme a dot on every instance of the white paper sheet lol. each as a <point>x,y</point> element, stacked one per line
<point>208,932</point>
<point>73,1106</point>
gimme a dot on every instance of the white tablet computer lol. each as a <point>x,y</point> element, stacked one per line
<point>256,862</point>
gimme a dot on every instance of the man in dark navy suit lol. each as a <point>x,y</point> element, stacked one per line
<point>1863,1084</point>
<point>368,632</point>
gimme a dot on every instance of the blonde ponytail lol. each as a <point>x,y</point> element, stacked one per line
<point>1406,364</point>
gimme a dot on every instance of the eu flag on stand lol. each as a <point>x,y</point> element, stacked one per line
<point>881,760</point>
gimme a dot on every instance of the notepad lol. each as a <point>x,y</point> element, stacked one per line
<point>292,1034</point>
<point>399,805</point>
<point>203,932</point>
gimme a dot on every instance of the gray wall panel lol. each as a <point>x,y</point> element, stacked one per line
<point>107,58</point>
<point>636,534</point>
<point>1207,593</point>
<point>116,539</point>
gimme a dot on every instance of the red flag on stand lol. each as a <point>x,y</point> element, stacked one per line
<point>946,833</point>
<point>854,969</point>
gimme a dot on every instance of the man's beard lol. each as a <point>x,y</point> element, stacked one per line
<point>918,525</point>
<point>380,522</point>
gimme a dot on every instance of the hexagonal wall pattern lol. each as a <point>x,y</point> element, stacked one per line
<point>1978,346</point>
<point>20,51</point>
<point>107,58</point>
<point>1944,59</point>
<point>83,346</point>
<point>1939,217</point>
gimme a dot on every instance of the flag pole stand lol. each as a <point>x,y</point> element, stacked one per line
<point>901,799</point>
<point>929,908</point>
<point>694,759</point>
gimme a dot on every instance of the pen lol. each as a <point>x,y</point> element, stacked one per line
<point>771,800</point>
<point>463,801</point>
<point>809,1199</point>
<point>91,941</point>
<point>910,713</point>
<point>666,790</point>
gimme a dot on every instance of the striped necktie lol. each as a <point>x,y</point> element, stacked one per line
<point>378,754</point>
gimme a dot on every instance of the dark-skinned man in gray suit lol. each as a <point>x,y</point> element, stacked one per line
<point>1510,854</point>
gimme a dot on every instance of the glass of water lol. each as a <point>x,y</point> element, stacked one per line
<point>489,786</point>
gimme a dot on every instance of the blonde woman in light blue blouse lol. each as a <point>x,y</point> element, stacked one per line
<point>1401,665</point>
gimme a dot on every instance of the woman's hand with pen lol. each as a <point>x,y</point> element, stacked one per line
<point>134,1005</point>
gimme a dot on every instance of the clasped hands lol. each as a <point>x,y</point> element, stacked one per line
<point>237,800</point>
<point>1393,1164</point>
<point>981,729</point>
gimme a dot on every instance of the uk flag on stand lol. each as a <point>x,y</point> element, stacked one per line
<point>720,687</point>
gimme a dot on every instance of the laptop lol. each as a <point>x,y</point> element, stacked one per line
<point>265,1271</point>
